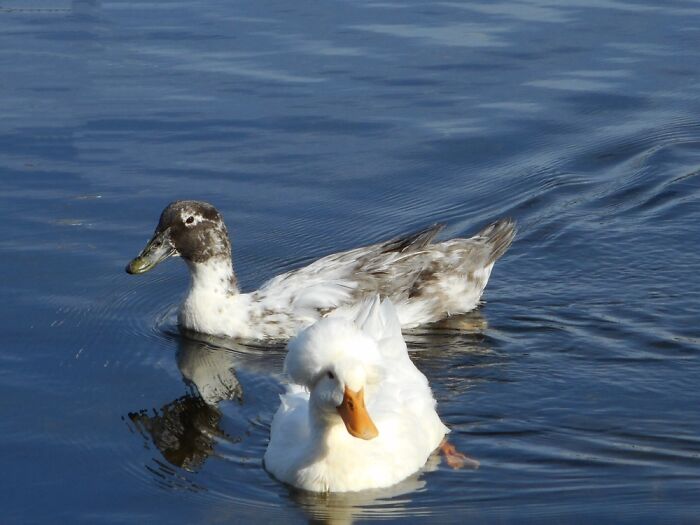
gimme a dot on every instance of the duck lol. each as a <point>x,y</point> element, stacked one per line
<point>358,415</point>
<point>427,281</point>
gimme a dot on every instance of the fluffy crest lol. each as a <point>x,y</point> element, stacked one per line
<point>372,333</point>
<point>336,344</point>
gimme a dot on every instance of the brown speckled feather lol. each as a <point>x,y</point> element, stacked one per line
<point>417,274</point>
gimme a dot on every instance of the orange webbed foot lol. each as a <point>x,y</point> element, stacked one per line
<point>456,459</point>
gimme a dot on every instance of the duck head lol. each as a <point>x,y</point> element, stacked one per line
<point>339,365</point>
<point>192,230</point>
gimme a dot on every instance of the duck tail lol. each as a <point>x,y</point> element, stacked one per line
<point>498,236</point>
<point>412,242</point>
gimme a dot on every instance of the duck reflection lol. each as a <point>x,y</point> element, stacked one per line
<point>347,507</point>
<point>457,354</point>
<point>184,430</point>
<point>453,331</point>
<point>187,429</point>
<point>209,370</point>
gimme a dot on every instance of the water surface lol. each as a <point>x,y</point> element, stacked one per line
<point>316,127</point>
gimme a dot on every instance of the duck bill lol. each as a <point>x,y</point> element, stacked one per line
<point>159,248</point>
<point>354,414</point>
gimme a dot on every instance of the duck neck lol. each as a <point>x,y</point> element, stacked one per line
<point>214,304</point>
<point>325,427</point>
<point>213,277</point>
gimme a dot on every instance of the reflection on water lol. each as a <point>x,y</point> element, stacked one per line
<point>210,370</point>
<point>315,128</point>
<point>182,430</point>
<point>187,429</point>
<point>346,508</point>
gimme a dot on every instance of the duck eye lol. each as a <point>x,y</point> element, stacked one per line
<point>330,375</point>
<point>190,220</point>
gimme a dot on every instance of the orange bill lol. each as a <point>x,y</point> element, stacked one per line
<point>355,416</point>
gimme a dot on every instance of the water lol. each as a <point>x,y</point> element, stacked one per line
<point>316,127</point>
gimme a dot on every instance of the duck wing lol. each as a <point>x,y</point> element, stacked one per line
<point>346,277</point>
<point>414,269</point>
<point>425,280</point>
<point>403,402</point>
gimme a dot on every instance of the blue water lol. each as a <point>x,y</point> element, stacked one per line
<point>319,126</point>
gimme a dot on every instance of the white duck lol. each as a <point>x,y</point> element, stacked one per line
<point>426,281</point>
<point>363,416</point>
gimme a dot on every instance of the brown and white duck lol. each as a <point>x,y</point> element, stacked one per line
<point>425,280</point>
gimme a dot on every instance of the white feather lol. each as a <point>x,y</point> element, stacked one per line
<point>312,449</point>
